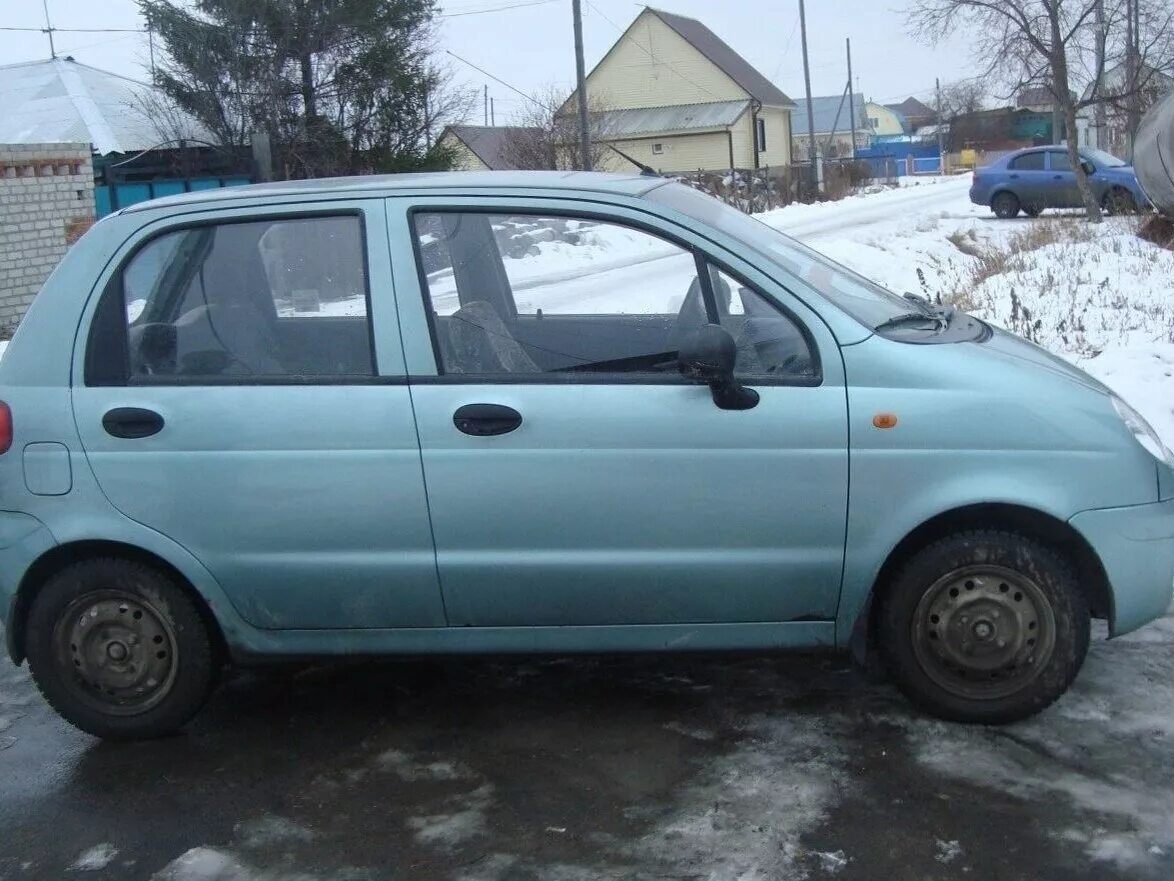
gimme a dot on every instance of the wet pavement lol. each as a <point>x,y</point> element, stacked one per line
<point>701,767</point>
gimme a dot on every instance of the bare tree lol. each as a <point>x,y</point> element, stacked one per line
<point>961,97</point>
<point>1056,43</point>
<point>545,134</point>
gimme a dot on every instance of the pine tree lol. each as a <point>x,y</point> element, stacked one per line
<point>339,86</point>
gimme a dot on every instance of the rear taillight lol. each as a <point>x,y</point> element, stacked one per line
<point>5,427</point>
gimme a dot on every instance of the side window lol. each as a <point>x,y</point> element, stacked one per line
<point>272,298</point>
<point>541,294</point>
<point>1059,160</point>
<point>1028,162</point>
<point>532,294</point>
<point>769,343</point>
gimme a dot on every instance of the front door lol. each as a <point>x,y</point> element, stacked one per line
<point>574,477</point>
<point>1063,180</point>
<point>241,390</point>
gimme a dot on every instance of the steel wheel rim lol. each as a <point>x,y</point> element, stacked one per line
<point>983,632</point>
<point>117,651</point>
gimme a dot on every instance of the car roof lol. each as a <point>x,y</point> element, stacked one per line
<point>439,182</point>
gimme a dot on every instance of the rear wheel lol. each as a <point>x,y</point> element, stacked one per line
<point>985,627</point>
<point>119,649</point>
<point>1005,205</point>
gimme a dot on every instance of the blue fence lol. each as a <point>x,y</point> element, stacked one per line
<point>106,201</point>
<point>897,159</point>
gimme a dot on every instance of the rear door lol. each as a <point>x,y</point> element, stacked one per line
<point>1030,179</point>
<point>574,477</point>
<point>241,390</point>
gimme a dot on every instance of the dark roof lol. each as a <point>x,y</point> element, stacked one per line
<point>488,143</point>
<point>912,108</point>
<point>731,63</point>
<point>824,110</point>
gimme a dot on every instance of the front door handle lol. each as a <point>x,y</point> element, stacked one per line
<point>132,422</point>
<point>486,420</point>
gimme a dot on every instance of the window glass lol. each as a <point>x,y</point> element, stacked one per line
<point>538,294</point>
<point>769,343</point>
<point>1059,160</point>
<point>258,299</point>
<point>1028,162</point>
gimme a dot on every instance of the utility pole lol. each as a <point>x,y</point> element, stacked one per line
<point>851,97</point>
<point>1131,75</point>
<point>486,103</point>
<point>937,84</point>
<point>49,29</point>
<point>581,86</point>
<point>807,87</point>
<point>492,112</point>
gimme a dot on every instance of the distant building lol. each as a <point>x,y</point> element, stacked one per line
<point>481,147</point>
<point>674,96</point>
<point>1002,128</point>
<point>833,126</point>
<point>1109,130</point>
<point>915,113</point>
<point>883,121</point>
<point>59,100</point>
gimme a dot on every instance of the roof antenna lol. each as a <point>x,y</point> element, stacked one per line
<point>48,29</point>
<point>644,169</point>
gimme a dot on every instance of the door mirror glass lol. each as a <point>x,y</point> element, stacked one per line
<point>708,355</point>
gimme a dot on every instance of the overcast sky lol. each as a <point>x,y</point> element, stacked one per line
<point>532,45</point>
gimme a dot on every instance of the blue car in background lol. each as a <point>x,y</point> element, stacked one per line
<point>1042,177</point>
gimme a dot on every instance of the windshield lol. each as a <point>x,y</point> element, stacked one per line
<point>866,301</point>
<point>1102,159</point>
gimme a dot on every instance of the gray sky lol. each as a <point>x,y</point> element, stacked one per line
<point>531,46</point>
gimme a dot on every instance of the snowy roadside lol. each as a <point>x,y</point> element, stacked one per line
<point>1096,295</point>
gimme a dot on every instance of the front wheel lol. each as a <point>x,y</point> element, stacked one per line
<point>985,627</point>
<point>119,650</point>
<point>1118,201</point>
<point>1005,205</point>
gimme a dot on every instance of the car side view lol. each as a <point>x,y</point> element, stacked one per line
<point>1042,177</point>
<point>542,412</point>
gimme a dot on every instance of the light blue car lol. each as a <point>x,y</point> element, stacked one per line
<point>542,412</point>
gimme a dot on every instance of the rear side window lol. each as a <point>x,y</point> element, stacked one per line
<point>1028,162</point>
<point>272,299</point>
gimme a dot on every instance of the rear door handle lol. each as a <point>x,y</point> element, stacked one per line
<point>132,422</point>
<point>486,420</point>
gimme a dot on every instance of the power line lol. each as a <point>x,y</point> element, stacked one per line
<point>495,9</point>
<point>78,30</point>
<point>482,70</point>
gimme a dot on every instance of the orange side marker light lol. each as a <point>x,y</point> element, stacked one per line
<point>885,420</point>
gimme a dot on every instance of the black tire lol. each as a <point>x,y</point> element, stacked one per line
<point>1018,649</point>
<point>119,650</point>
<point>1119,201</point>
<point>1005,205</point>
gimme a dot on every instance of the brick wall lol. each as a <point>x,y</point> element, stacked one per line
<point>46,201</point>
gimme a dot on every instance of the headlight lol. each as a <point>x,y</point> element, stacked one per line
<point>1141,429</point>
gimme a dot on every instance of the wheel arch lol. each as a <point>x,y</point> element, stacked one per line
<point>1031,522</point>
<point>60,556</point>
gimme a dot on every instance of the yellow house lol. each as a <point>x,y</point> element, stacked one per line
<point>883,120</point>
<point>672,95</point>
<point>482,147</point>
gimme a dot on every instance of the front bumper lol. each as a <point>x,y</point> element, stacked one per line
<point>23,539</point>
<point>1136,547</point>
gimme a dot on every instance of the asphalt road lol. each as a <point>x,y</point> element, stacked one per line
<point>699,767</point>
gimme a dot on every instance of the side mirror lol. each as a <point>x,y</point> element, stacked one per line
<point>708,355</point>
<point>1088,167</point>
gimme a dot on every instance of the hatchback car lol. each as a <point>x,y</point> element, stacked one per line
<point>1038,178</point>
<point>542,412</point>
